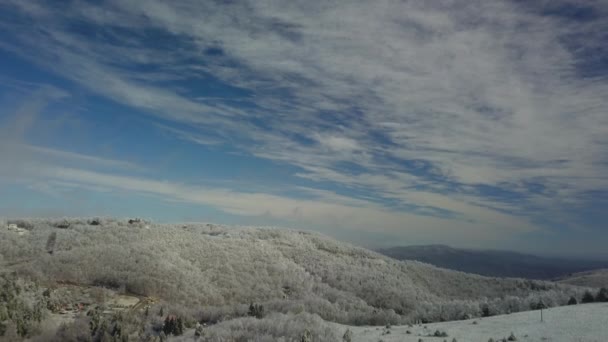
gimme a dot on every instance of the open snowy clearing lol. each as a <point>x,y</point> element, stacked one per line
<point>576,323</point>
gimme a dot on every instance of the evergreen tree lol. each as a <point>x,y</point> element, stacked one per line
<point>485,311</point>
<point>256,310</point>
<point>94,321</point>
<point>602,295</point>
<point>587,297</point>
<point>179,327</point>
<point>117,331</point>
<point>169,326</point>
<point>102,331</point>
<point>572,301</point>
<point>173,325</point>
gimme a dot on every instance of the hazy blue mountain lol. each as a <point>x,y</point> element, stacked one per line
<point>492,262</point>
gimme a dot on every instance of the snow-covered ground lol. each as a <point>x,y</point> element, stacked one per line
<point>576,323</point>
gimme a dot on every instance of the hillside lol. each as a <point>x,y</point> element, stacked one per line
<point>491,262</point>
<point>595,278</point>
<point>583,323</point>
<point>212,273</point>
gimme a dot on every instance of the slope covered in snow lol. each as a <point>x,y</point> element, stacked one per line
<point>595,278</point>
<point>576,323</point>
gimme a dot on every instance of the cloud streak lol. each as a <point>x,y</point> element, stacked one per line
<point>323,210</point>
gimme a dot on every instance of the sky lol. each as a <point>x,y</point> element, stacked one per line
<point>474,123</point>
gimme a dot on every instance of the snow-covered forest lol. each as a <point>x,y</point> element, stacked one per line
<point>211,273</point>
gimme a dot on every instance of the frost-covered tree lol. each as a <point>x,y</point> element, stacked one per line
<point>306,336</point>
<point>348,336</point>
<point>198,330</point>
<point>22,306</point>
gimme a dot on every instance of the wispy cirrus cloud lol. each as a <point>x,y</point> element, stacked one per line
<point>324,210</point>
<point>484,111</point>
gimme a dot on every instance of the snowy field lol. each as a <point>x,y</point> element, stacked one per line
<point>577,323</point>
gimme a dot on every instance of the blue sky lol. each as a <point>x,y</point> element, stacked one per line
<point>470,123</point>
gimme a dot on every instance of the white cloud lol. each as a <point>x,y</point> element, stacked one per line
<point>338,144</point>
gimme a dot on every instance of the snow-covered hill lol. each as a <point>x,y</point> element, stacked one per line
<point>595,278</point>
<point>218,271</point>
<point>575,323</point>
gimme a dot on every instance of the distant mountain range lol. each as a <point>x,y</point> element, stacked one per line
<point>493,262</point>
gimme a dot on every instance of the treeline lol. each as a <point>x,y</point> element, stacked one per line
<point>150,327</point>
